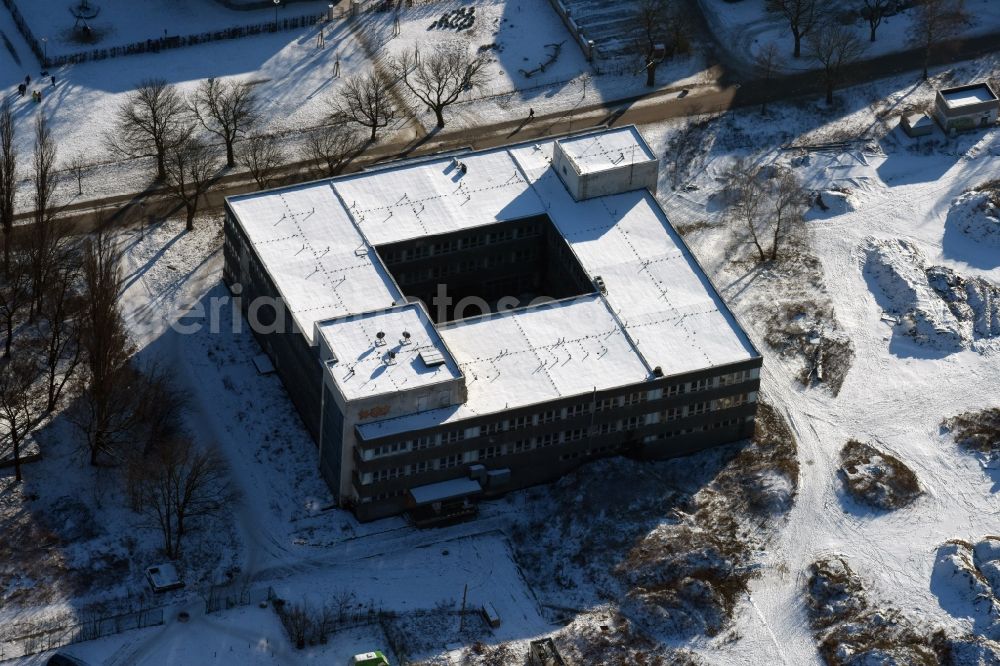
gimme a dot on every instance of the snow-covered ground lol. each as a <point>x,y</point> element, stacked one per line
<point>898,391</point>
<point>895,192</point>
<point>479,567</point>
<point>118,23</point>
<point>295,80</point>
<point>744,28</point>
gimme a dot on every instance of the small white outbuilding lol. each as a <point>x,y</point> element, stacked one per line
<point>966,107</point>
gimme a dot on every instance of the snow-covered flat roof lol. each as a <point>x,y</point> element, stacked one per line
<point>367,365</point>
<point>437,197</point>
<point>654,285</point>
<point>966,95</point>
<point>605,150</point>
<point>658,309</point>
<point>544,352</point>
<point>318,260</point>
<point>528,356</point>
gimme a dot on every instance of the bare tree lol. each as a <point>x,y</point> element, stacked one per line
<point>438,78</point>
<point>653,25</point>
<point>158,417</point>
<point>104,413</point>
<point>152,119</point>
<point>874,11</point>
<point>325,623</point>
<point>20,404</point>
<point>803,17</point>
<point>746,199</point>
<point>767,203</point>
<point>297,619</point>
<point>366,99</point>
<point>343,600</point>
<point>15,289</point>
<point>46,238</point>
<point>786,207</point>
<point>8,177</point>
<point>227,109</point>
<point>767,62</point>
<point>833,47</point>
<point>332,147</point>
<point>78,167</point>
<point>190,169</point>
<point>62,305</point>
<point>261,155</point>
<point>181,484</point>
<point>935,22</point>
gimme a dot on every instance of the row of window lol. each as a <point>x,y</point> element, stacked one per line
<point>444,462</point>
<point>579,409</point>
<point>490,261</point>
<point>705,406</point>
<point>458,244</point>
<point>714,425</point>
<point>596,451</point>
<point>541,442</point>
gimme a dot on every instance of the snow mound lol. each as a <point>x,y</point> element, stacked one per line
<point>897,267</point>
<point>852,633</point>
<point>969,574</point>
<point>773,492</point>
<point>875,478</point>
<point>852,630</point>
<point>834,592</point>
<point>935,305</point>
<point>970,299</point>
<point>679,576</point>
<point>973,651</point>
<point>975,215</point>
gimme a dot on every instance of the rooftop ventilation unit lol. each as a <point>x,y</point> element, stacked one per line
<point>432,358</point>
<point>599,283</point>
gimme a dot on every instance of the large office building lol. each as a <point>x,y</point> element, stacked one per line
<point>459,327</point>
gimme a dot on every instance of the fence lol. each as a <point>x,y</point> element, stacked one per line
<point>224,597</point>
<point>43,636</point>
<point>114,617</point>
<point>154,45</point>
<point>586,45</point>
<point>179,41</point>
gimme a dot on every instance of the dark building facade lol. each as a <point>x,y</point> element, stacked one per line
<point>377,453</point>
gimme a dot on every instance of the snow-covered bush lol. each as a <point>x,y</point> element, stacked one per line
<point>972,299</point>
<point>976,431</point>
<point>897,269</point>
<point>852,631</point>
<point>876,478</point>
<point>976,214</point>
<point>935,305</point>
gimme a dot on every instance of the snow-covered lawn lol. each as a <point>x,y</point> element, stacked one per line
<point>118,22</point>
<point>295,81</point>
<point>899,389</point>
<point>893,192</point>
<point>744,28</point>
